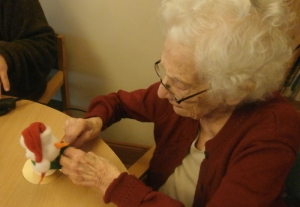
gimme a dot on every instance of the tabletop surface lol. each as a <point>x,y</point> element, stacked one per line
<point>15,190</point>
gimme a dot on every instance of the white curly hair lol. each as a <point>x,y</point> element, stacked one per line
<point>241,47</point>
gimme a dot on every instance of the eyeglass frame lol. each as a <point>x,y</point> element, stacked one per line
<point>166,87</point>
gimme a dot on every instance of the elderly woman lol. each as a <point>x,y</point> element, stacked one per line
<point>224,136</point>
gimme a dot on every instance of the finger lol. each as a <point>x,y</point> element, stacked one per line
<point>80,140</point>
<point>73,153</point>
<point>73,129</point>
<point>5,81</point>
<point>92,158</point>
<point>69,151</point>
<point>65,171</point>
<point>64,161</point>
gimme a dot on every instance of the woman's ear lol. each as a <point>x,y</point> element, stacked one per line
<point>234,101</point>
<point>248,87</point>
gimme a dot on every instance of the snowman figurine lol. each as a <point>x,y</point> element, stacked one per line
<point>42,148</point>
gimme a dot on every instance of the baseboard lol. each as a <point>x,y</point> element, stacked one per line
<point>128,153</point>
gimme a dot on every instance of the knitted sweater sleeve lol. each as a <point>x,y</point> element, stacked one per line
<point>142,105</point>
<point>128,191</point>
<point>28,45</point>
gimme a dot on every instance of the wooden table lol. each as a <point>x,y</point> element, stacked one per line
<point>15,190</point>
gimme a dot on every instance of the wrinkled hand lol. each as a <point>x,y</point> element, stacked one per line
<point>88,169</point>
<point>3,75</point>
<point>78,131</point>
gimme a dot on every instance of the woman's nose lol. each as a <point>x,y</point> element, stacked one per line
<point>162,92</point>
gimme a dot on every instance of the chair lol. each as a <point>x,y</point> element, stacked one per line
<point>140,167</point>
<point>292,183</point>
<point>60,79</point>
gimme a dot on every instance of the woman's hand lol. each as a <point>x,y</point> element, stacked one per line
<point>88,169</point>
<point>3,75</point>
<point>78,131</point>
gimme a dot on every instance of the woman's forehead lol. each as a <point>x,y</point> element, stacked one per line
<point>178,61</point>
<point>177,50</point>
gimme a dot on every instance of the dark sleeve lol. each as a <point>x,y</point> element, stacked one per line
<point>142,105</point>
<point>128,191</point>
<point>28,45</point>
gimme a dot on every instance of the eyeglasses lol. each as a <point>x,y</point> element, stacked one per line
<point>167,87</point>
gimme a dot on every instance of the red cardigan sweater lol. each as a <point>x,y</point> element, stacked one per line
<point>246,162</point>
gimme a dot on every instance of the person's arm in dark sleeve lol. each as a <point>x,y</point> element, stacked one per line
<point>28,44</point>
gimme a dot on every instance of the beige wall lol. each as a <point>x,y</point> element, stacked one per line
<point>111,45</point>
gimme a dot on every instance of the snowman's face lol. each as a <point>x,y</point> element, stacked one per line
<point>50,152</point>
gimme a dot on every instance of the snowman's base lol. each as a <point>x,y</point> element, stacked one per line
<point>32,177</point>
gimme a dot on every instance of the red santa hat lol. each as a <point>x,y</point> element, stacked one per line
<point>32,139</point>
